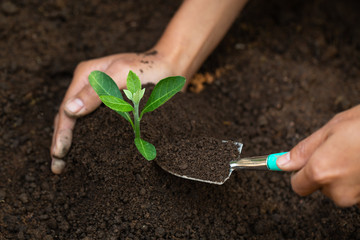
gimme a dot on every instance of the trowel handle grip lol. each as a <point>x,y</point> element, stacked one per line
<point>271,161</point>
<point>266,162</point>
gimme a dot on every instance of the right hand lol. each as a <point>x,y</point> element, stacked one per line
<point>80,99</point>
<point>328,160</point>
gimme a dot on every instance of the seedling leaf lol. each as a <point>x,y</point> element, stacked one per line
<point>138,95</point>
<point>133,83</point>
<point>128,94</point>
<point>116,104</point>
<point>146,149</point>
<point>105,86</point>
<point>163,91</point>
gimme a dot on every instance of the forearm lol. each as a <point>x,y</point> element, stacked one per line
<point>195,30</point>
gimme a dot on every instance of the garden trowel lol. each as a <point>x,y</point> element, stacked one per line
<point>266,162</point>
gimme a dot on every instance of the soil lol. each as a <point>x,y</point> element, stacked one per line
<point>206,159</point>
<point>282,71</point>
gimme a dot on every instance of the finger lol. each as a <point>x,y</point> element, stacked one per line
<point>303,182</point>
<point>300,154</point>
<point>56,121</point>
<point>62,136</point>
<point>318,170</point>
<point>61,143</point>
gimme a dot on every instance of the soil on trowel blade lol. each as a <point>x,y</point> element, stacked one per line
<point>206,159</point>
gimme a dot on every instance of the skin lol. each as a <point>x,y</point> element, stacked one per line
<point>328,160</point>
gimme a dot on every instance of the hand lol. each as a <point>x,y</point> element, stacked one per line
<point>329,160</point>
<point>80,99</point>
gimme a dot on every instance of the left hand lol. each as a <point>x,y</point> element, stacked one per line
<point>81,99</point>
<point>329,160</point>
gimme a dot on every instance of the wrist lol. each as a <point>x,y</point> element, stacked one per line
<point>174,58</point>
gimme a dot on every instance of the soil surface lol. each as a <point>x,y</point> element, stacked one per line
<point>206,159</point>
<point>283,70</point>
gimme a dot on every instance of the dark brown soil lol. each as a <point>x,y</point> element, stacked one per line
<point>207,159</point>
<point>284,69</point>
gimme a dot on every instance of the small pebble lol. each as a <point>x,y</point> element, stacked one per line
<point>23,198</point>
<point>52,224</point>
<point>139,179</point>
<point>20,235</point>
<point>29,178</point>
<point>262,121</point>
<point>144,228</point>
<point>274,179</point>
<point>48,237</point>
<point>64,225</point>
<point>9,7</point>
<point>240,46</point>
<point>36,233</point>
<point>183,166</point>
<point>241,229</point>
<point>142,191</point>
<point>44,217</point>
<point>159,232</point>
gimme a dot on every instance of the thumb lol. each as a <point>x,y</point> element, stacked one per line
<point>87,100</point>
<point>300,154</point>
<point>84,102</point>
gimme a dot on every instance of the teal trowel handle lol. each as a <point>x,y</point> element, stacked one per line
<point>267,162</point>
<point>271,161</point>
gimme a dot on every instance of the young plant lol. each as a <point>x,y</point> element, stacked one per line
<point>111,96</point>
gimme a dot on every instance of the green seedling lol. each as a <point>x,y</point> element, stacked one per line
<point>111,96</point>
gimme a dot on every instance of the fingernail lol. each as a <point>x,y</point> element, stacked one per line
<point>57,165</point>
<point>283,160</point>
<point>75,105</point>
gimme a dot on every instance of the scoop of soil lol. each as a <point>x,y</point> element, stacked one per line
<point>204,159</point>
